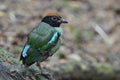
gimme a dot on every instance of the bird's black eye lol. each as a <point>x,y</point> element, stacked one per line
<point>54,18</point>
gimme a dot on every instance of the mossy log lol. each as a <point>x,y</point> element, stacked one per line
<point>10,69</point>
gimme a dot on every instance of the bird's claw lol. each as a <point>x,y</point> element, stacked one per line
<point>47,75</point>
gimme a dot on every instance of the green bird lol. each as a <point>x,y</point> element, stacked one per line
<point>44,40</point>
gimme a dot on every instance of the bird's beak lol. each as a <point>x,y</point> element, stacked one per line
<point>63,20</point>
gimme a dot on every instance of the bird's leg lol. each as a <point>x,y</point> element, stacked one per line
<point>44,72</point>
<point>38,65</point>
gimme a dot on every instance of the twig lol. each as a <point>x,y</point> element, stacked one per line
<point>108,40</point>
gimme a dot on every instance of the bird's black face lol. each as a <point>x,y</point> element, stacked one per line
<point>54,21</point>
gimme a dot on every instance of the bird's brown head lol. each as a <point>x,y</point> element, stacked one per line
<point>53,19</point>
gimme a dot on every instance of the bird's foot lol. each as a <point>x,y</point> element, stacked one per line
<point>47,76</point>
<point>44,73</point>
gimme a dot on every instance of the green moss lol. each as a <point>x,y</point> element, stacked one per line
<point>7,57</point>
<point>4,53</point>
<point>18,49</point>
<point>107,69</point>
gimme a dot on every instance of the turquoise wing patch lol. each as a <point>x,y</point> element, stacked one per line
<point>53,38</point>
<point>24,53</point>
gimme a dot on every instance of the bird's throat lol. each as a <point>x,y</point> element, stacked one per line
<point>59,29</point>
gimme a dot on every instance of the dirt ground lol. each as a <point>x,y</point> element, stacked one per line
<point>92,35</point>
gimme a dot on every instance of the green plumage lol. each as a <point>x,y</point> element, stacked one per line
<point>40,48</point>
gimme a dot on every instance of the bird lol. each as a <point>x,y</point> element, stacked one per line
<point>44,40</point>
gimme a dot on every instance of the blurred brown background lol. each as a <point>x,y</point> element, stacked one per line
<point>92,35</point>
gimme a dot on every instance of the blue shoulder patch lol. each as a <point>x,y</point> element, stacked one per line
<point>24,53</point>
<point>53,38</point>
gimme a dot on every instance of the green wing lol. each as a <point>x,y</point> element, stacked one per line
<point>55,48</point>
<point>38,41</point>
<point>41,35</point>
